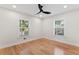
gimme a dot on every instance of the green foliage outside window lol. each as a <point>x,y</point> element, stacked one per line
<point>24,26</point>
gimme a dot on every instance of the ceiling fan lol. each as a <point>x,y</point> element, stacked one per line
<point>41,10</point>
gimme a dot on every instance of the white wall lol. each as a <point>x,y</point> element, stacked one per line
<point>9,24</point>
<point>9,33</point>
<point>71,28</point>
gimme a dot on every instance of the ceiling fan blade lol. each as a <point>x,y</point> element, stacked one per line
<point>46,12</point>
<point>40,8</point>
<point>38,12</point>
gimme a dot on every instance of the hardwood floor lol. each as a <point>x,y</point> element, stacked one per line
<point>41,47</point>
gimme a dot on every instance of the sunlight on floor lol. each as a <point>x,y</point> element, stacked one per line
<point>58,51</point>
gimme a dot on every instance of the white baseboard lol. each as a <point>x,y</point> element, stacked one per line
<point>73,44</point>
<point>27,40</point>
<point>19,42</point>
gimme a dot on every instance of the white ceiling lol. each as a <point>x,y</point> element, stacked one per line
<point>32,9</point>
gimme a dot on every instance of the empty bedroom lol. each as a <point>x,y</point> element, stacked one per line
<point>39,29</point>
